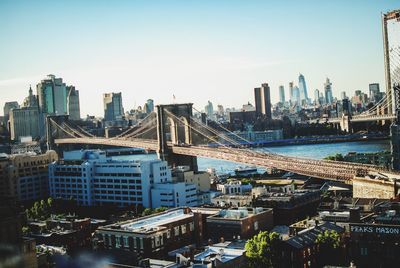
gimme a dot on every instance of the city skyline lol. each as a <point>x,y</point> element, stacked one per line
<point>227,52</point>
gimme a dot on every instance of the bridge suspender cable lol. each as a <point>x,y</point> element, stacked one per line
<point>138,124</point>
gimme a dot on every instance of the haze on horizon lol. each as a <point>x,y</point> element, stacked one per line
<point>195,50</point>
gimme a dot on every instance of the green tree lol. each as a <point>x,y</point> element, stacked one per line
<point>261,250</point>
<point>328,239</point>
<point>25,230</point>
<point>328,243</point>
<point>147,211</point>
<point>50,202</point>
<point>160,209</point>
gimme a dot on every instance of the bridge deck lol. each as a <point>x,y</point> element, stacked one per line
<point>333,170</point>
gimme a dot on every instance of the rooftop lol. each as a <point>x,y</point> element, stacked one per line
<point>153,222</point>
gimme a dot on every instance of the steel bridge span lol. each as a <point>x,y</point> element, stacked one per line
<point>324,169</point>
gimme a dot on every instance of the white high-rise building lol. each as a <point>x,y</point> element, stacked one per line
<point>281,94</point>
<point>91,179</point>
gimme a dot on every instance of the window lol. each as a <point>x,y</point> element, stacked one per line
<point>256,225</point>
<point>191,226</point>
<point>168,233</point>
<point>141,243</point>
<point>176,230</point>
<point>126,242</point>
<point>117,241</point>
<point>134,242</point>
<point>183,228</point>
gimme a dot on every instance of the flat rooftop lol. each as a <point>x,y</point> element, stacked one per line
<point>156,221</point>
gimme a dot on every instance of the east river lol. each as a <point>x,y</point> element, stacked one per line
<point>316,151</point>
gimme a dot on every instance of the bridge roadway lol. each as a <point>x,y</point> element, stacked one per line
<point>356,118</point>
<point>325,169</point>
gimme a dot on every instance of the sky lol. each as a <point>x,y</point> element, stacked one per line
<point>196,50</point>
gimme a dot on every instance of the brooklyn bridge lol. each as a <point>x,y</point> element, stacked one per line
<point>179,138</point>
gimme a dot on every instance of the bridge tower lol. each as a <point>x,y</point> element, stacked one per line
<point>391,49</point>
<point>345,124</point>
<point>173,127</point>
<point>395,130</point>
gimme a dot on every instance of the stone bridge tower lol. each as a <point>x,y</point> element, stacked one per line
<point>173,128</point>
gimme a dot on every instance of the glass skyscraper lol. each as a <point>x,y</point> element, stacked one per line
<point>303,88</point>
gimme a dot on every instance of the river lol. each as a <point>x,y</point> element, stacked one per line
<point>316,151</point>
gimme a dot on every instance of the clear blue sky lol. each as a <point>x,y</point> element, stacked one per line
<point>197,50</point>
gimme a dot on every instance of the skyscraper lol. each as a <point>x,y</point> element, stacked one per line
<point>373,91</point>
<point>73,106</point>
<point>291,92</point>
<point>343,95</point>
<point>281,94</point>
<point>316,96</point>
<point>7,108</point>
<point>328,92</point>
<point>52,95</point>
<point>303,88</point>
<point>209,109</point>
<point>263,100</point>
<point>24,122</point>
<point>149,106</point>
<point>296,95</point>
<point>113,109</point>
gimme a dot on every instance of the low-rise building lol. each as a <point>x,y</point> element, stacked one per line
<point>151,236</point>
<point>290,207</point>
<point>234,187</point>
<point>241,223</point>
<point>301,250</point>
<point>70,232</point>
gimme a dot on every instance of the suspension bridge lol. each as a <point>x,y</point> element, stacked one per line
<point>179,138</point>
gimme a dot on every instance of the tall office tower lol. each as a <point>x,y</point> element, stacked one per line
<point>24,122</point>
<point>31,100</point>
<point>7,108</point>
<point>209,109</point>
<point>52,95</point>
<point>149,106</point>
<point>281,94</point>
<point>316,96</point>
<point>220,110</point>
<point>113,109</point>
<point>391,47</point>
<point>328,92</point>
<point>343,95</point>
<point>303,88</point>
<point>73,106</point>
<point>263,100</point>
<point>373,91</point>
<point>346,106</point>
<point>296,95</point>
<point>291,91</point>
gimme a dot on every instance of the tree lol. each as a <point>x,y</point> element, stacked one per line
<point>261,250</point>
<point>160,209</point>
<point>328,239</point>
<point>147,212</point>
<point>328,243</point>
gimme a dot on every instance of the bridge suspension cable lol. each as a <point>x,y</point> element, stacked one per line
<point>198,131</point>
<point>233,133</point>
<point>148,117</point>
<point>73,135</point>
